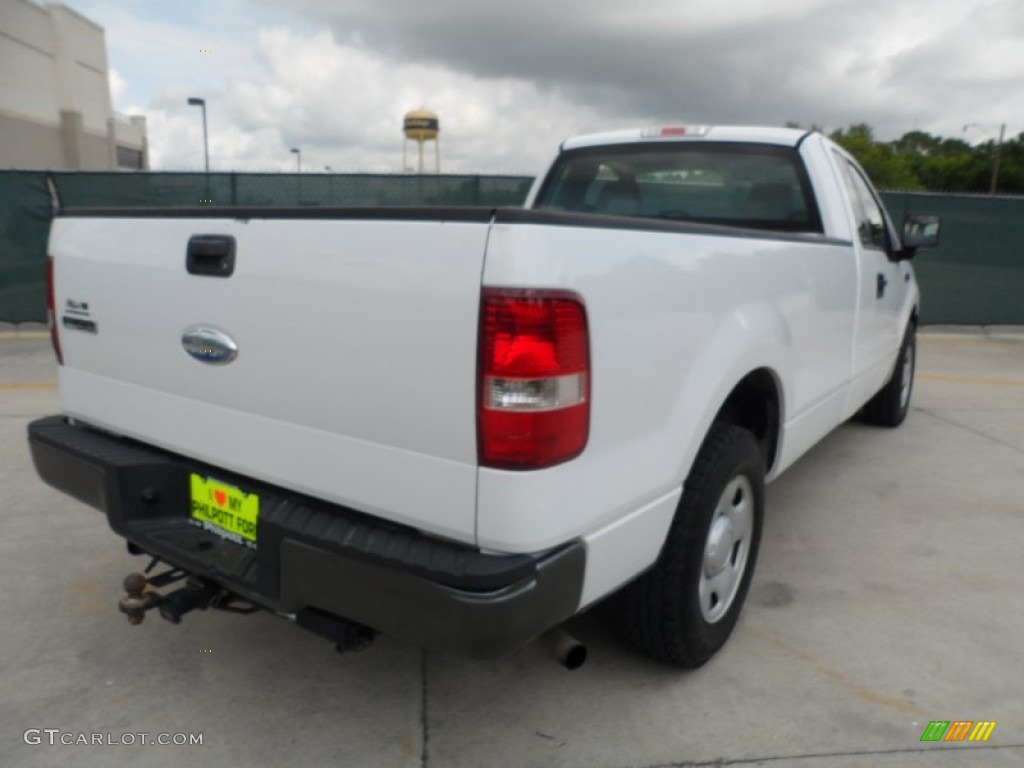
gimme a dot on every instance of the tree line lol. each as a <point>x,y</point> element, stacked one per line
<point>921,161</point>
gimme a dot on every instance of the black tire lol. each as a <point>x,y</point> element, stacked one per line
<point>661,613</point>
<point>891,404</point>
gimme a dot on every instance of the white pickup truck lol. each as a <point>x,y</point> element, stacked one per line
<point>463,426</point>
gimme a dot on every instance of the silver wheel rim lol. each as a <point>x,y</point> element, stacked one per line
<point>727,549</point>
<point>907,376</point>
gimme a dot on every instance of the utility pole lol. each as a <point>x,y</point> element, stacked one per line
<point>997,156</point>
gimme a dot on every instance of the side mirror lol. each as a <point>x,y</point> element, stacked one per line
<point>920,230</point>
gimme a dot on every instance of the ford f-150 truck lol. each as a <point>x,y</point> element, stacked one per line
<point>463,426</point>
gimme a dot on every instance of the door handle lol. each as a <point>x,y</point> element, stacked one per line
<point>212,255</point>
<point>880,286</point>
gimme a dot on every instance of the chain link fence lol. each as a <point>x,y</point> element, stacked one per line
<point>25,207</point>
<point>975,277</point>
<point>160,190</point>
<point>25,213</point>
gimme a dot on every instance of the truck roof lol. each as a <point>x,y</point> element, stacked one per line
<point>787,137</point>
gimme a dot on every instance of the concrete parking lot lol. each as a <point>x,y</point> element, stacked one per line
<point>889,593</point>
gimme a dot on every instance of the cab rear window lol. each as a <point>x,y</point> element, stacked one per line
<point>740,185</point>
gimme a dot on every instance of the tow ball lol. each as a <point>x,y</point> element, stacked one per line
<point>143,595</point>
<point>140,598</point>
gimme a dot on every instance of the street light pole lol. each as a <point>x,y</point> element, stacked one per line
<point>196,102</point>
<point>995,162</point>
<point>298,179</point>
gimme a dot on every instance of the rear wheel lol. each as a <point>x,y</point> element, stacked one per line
<point>889,407</point>
<point>683,610</point>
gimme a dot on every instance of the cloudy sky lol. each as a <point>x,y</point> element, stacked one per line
<point>512,79</point>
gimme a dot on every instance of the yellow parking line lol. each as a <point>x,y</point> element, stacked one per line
<point>973,341</point>
<point>970,379</point>
<point>11,335</point>
<point>29,385</point>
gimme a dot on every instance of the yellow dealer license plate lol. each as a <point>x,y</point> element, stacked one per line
<point>225,510</point>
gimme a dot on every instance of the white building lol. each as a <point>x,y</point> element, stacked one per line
<point>55,106</point>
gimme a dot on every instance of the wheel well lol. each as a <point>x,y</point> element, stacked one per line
<point>754,405</point>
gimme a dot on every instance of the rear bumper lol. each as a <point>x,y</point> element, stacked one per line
<point>314,555</point>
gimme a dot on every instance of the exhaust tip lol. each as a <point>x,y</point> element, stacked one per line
<point>566,649</point>
<point>575,658</point>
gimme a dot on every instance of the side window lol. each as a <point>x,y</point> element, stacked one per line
<point>867,211</point>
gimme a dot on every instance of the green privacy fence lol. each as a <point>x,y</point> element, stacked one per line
<point>25,208</point>
<point>24,226</point>
<point>975,277</point>
<point>286,189</point>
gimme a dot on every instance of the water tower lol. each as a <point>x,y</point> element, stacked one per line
<point>421,126</point>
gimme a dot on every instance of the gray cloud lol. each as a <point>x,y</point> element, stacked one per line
<point>510,80</point>
<point>888,62</point>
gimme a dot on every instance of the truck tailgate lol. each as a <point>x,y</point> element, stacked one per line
<point>355,373</point>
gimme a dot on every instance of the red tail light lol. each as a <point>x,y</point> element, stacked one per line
<point>534,408</point>
<point>51,311</point>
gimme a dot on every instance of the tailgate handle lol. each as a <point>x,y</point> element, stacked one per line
<point>212,255</point>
